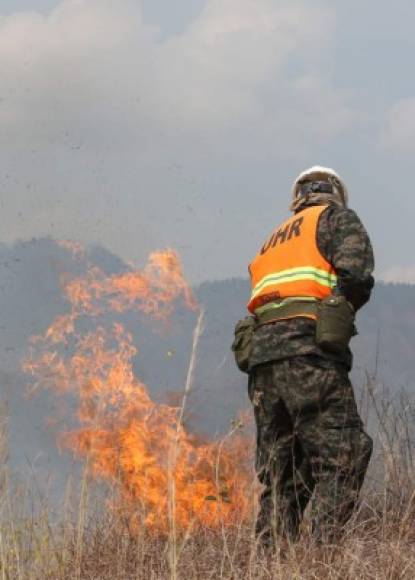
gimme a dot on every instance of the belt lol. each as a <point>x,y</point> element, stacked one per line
<point>288,308</point>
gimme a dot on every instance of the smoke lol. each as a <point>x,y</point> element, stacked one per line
<point>94,70</point>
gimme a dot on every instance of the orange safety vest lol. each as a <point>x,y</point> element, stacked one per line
<point>290,264</point>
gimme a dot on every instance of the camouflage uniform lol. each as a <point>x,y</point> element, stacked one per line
<point>310,438</point>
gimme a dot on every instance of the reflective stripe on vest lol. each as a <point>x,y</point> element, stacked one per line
<point>295,275</point>
<point>290,263</point>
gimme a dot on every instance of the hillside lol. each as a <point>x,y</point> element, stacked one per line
<point>31,297</point>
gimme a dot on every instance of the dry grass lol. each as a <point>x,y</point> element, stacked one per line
<point>378,545</point>
<point>84,542</point>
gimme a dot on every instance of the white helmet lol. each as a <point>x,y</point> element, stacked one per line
<point>318,173</point>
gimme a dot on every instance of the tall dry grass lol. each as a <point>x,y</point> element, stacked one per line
<point>87,541</point>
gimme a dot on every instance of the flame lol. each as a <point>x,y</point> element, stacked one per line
<point>140,447</point>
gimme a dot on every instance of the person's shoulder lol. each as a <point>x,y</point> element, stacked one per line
<point>338,221</point>
<point>337,213</point>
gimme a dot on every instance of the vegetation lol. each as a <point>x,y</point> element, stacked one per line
<point>94,541</point>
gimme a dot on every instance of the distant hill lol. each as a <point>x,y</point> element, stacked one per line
<point>30,297</point>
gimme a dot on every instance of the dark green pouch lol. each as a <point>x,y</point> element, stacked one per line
<point>242,344</point>
<point>335,324</point>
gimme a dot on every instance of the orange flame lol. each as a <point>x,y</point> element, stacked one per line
<point>129,440</point>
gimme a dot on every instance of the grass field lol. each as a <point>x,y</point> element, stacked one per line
<point>378,544</point>
<point>87,539</point>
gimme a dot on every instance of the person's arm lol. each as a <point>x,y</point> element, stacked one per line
<point>344,242</point>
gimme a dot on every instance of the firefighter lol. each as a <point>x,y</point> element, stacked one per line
<point>309,278</point>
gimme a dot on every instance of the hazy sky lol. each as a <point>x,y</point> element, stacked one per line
<point>146,124</point>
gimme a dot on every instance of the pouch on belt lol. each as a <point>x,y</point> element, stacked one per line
<point>335,324</point>
<point>242,344</point>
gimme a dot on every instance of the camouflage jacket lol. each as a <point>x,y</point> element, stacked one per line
<point>344,242</point>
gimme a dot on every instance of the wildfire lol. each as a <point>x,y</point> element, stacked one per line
<point>135,444</point>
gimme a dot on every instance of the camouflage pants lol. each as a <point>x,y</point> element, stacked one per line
<point>311,445</point>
